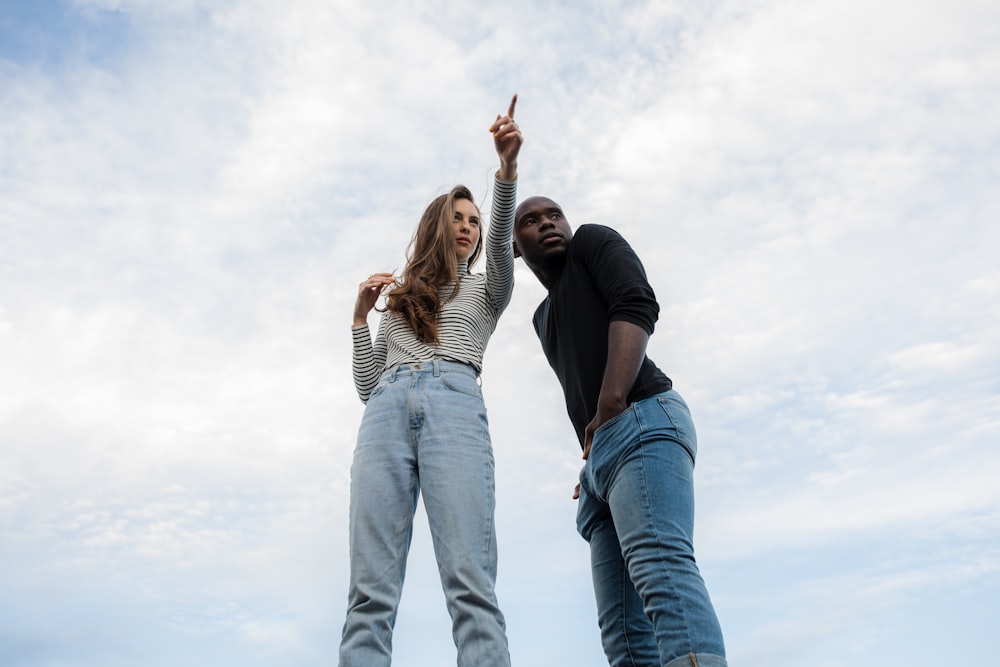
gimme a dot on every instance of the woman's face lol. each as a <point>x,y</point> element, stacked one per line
<point>466,228</point>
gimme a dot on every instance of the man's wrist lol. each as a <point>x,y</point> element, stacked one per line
<point>611,404</point>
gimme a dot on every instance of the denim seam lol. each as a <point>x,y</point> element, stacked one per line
<point>664,572</point>
<point>663,404</point>
<point>626,581</point>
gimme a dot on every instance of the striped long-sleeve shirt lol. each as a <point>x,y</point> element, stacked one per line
<point>465,323</point>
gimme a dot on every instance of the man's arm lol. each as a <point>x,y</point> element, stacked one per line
<point>626,351</point>
<point>621,281</point>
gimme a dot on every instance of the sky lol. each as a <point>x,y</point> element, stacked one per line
<point>191,191</point>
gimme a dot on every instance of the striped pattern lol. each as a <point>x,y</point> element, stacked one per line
<point>465,324</point>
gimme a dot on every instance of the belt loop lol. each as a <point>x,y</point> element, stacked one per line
<point>437,367</point>
<point>392,373</point>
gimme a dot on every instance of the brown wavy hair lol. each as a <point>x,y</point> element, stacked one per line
<point>431,263</point>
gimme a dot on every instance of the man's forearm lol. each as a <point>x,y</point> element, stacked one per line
<point>626,351</point>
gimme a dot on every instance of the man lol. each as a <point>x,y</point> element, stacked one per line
<point>636,489</point>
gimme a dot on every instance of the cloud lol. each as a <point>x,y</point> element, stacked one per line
<point>190,193</point>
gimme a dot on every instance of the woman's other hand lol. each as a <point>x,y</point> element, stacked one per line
<point>368,293</point>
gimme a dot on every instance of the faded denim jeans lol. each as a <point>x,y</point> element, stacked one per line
<point>424,430</point>
<point>637,512</point>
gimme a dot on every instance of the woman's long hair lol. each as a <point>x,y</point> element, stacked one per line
<point>431,263</point>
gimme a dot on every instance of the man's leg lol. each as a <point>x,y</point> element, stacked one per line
<point>626,632</point>
<point>646,466</point>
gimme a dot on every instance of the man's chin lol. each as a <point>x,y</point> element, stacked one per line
<point>551,254</point>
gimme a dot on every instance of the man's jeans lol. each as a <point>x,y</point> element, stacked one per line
<point>637,512</point>
<point>424,428</point>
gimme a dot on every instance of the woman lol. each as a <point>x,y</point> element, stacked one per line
<point>424,426</point>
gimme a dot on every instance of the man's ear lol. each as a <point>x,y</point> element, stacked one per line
<point>517,253</point>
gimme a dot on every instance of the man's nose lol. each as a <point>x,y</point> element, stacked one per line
<point>545,222</point>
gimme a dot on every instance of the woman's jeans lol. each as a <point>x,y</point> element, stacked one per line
<point>424,428</point>
<point>637,512</point>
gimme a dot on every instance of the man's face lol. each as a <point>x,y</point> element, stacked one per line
<point>541,232</point>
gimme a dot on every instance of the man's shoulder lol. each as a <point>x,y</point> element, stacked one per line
<point>592,235</point>
<point>595,243</point>
<point>594,230</point>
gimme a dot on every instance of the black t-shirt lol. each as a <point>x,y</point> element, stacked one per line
<point>602,281</point>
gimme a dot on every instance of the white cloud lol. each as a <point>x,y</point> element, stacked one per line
<point>184,224</point>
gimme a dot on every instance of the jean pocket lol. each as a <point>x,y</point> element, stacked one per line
<point>462,383</point>
<point>614,420</point>
<point>379,388</point>
<point>679,417</point>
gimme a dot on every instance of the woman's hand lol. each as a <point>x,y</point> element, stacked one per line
<point>507,139</point>
<point>368,293</point>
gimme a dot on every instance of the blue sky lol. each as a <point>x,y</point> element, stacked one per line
<point>191,191</point>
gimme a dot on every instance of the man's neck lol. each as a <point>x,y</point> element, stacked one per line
<point>549,275</point>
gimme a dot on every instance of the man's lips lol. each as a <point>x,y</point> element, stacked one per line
<point>550,238</point>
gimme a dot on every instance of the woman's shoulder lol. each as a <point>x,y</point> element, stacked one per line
<point>476,278</point>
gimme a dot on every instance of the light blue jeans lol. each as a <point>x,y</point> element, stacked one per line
<point>424,429</point>
<point>637,512</point>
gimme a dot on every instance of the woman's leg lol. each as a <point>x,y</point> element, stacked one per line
<point>455,457</point>
<point>384,490</point>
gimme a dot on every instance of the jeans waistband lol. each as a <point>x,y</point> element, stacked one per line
<point>435,366</point>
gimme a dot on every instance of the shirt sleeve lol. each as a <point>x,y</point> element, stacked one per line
<point>618,275</point>
<point>367,360</point>
<point>499,245</point>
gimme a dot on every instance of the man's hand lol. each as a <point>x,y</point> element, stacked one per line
<point>606,411</point>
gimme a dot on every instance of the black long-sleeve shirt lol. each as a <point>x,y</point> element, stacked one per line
<point>603,281</point>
